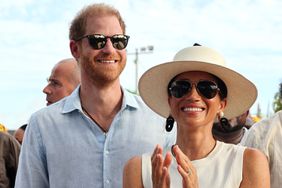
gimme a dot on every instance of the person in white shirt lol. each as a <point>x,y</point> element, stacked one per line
<point>266,135</point>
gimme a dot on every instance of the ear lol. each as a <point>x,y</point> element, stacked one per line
<point>222,105</point>
<point>74,49</point>
<point>168,100</point>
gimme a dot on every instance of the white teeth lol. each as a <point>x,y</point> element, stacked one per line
<point>107,61</point>
<point>192,109</point>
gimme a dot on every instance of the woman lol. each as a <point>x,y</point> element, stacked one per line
<point>195,90</point>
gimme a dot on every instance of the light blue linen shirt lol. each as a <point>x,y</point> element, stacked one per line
<point>63,147</point>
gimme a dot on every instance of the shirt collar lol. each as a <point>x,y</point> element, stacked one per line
<point>72,102</point>
<point>129,99</point>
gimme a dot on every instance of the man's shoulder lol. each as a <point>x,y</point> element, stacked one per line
<point>264,132</point>
<point>8,140</point>
<point>5,136</point>
<point>272,122</point>
<point>51,110</point>
<point>134,100</point>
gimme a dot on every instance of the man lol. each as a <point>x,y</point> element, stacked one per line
<point>234,129</point>
<point>9,157</point>
<point>85,139</point>
<point>64,78</point>
<point>266,135</point>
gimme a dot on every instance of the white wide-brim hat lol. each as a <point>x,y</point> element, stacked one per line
<point>153,84</point>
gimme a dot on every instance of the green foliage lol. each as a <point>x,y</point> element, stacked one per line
<point>277,103</point>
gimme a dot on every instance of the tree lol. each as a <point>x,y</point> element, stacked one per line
<point>277,103</point>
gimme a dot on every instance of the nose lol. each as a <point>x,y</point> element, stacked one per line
<point>193,93</point>
<point>46,89</point>
<point>108,48</point>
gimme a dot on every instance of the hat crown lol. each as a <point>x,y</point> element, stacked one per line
<point>200,54</point>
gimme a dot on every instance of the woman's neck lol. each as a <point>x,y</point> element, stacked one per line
<point>196,145</point>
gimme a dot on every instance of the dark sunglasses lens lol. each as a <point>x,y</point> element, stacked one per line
<point>180,88</point>
<point>119,41</point>
<point>207,89</point>
<point>97,41</point>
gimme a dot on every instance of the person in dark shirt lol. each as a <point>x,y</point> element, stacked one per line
<point>9,157</point>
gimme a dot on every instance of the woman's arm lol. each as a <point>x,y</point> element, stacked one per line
<point>255,170</point>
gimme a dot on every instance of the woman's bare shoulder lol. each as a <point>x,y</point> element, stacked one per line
<point>255,169</point>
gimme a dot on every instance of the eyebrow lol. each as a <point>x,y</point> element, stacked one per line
<point>55,80</point>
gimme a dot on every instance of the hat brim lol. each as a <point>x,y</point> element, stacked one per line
<point>241,93</point>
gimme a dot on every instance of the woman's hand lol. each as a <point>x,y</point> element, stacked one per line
<point>160,166</point>
<point>186,169</point>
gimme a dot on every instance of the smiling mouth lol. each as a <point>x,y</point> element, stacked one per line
<point>107,61</point>
<point>190,109</point>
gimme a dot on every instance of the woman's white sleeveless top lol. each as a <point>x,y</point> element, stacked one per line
<point>222,168</point>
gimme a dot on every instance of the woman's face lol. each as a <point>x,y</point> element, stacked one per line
<point>193,108</point>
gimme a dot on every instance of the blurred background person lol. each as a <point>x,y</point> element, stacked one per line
<point>19,133</point>
<point>233,130</point>
<point>9,157</point>
<point>266,135</point>
<point>64,78</point>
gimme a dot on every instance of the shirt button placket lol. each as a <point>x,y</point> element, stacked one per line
<point>107,182</point>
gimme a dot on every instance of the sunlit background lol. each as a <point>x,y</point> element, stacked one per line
<point>34,36</point>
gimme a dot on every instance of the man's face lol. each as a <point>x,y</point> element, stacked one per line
<point>234,123</point>
<point>104,65</point>
<point>58,85</point>
<point>239,120</point>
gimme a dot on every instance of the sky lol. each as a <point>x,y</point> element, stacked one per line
<point>34,37</point>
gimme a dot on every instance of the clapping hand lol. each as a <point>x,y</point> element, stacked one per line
<point>185,168</point>
<point>160,168</point>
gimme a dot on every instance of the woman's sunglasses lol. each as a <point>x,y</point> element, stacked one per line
<point>205,88</point>
<point>98,41</point>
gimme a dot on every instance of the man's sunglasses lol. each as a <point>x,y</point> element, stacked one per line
<point>98,41</point>
<point>205,88</point>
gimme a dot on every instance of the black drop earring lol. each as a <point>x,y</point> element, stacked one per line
<point>224,122</point>
<point>169,123</point>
